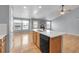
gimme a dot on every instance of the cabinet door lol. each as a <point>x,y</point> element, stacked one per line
<point>55,44</point>
<point>44,43</point>
<point>35,38</point>
<point>0,49</point>
<point>2,45</point>
<point>38,40</point>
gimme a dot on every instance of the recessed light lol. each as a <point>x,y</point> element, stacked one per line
<point>35,11</point>
<point>40,7</point>
<point>25,7</point>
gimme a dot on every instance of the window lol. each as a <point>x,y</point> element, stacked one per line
<point>48,24</point>
<point>17,24</point>
<point>35,24</point>
<point>25,24</point>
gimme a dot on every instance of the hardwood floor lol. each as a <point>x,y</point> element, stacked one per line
<point>31,48</point>
<point>70,44</point>
<point>19,47</point>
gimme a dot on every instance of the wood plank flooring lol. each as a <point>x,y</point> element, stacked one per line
<point>70,44</point>
<point>30,48</point>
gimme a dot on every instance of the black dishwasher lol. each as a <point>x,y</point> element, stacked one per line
<point>44,43</point>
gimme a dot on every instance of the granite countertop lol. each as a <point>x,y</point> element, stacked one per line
<point>49,33</point>
<point>2,35</point>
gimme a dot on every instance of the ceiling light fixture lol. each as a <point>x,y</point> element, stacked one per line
<point>62,10</point>
<point>25,7</point>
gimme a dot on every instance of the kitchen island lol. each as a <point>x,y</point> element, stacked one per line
<point>49,41</point>
<point>56,42</point>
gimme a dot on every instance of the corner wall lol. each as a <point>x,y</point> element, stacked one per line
<point>4,19</point>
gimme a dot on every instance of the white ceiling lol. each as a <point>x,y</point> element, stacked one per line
<point>48,12</point>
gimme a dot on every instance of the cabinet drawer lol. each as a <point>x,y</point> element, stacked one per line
<point>0,44</point>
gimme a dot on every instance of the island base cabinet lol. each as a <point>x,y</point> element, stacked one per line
<point>55,44</point>
<point>44,43</point>
<point>36,39</point>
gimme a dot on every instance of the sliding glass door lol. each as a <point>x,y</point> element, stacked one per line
<point>25,32</point>
<point>20,33</point>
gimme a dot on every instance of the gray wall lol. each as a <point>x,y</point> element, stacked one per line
<point>40,21</point>
<point>3,29</point>
<point>68,23</point>
<point>4,19</point>
<point>4,14</point>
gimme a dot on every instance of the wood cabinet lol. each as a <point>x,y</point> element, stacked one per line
<point>2,45</point>
<point>47,44</point>
<point>55,44</point>
<point>50,45</point>
<point>36,39</point>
